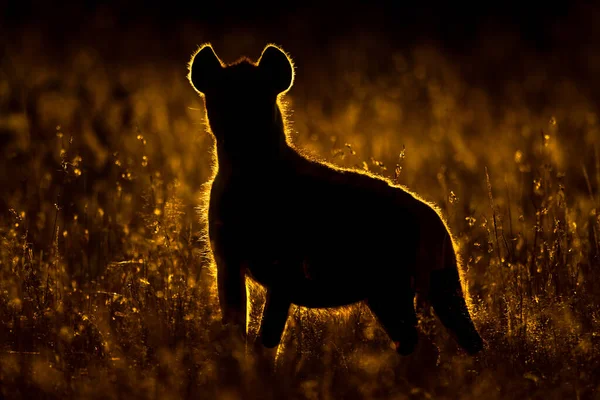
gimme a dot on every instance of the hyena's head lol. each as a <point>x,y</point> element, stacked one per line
<point>241,98</point>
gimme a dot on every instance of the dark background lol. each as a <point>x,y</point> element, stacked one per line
<point>454,24</point>
<point>540,60</point>
<point>561,33</point>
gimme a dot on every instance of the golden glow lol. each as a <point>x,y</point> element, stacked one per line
<point>146,319</point>
<point>256,295</point>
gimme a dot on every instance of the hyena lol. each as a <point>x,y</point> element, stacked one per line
<point>313,234</point>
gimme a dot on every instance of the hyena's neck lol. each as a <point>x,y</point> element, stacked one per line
<point>259,146</point>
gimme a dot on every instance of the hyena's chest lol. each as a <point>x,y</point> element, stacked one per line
<point>262,243</point>
<point>255,221</point>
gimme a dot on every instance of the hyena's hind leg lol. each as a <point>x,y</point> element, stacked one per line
<point>395,311</point>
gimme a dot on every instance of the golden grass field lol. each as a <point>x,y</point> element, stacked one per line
<point>106,287</point>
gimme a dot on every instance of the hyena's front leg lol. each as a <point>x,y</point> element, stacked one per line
<point>231,284</point>
<point>274,318</point>
<point>271,330</point>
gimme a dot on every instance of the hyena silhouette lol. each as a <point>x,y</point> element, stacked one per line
<point>313,234</point>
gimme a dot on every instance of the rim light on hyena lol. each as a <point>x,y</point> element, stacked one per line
<point>311,233</point>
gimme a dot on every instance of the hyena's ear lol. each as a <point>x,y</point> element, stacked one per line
<point>277,67</point>
<point>204,68</point>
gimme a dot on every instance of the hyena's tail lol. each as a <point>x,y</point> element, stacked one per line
<point>446,297</point>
